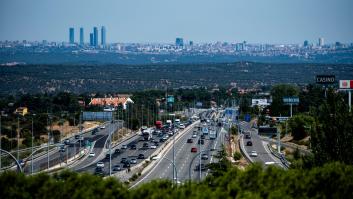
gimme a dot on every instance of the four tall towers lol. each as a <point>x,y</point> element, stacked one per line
<point>93,36</point>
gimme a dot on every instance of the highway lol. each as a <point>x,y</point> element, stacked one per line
<point>57,157</point>
<point>184,158</point>
<point>127,153</point>
<point>263,153</point>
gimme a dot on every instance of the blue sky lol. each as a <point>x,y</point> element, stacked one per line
<point>256,21</point>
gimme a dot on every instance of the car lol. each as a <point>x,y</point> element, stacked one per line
<point>156,143</point>
<point>189,141</point>
<point>124,146</point>
<point>126,165</point>
<point>117,168</point>
<point>170,133</point>
<point>248,143</point>
<point>145,145</point>
<point>67,141</point>
<point>133,161</point>
<point>194,136</point>
<point>201,141</point>
<point>141,156</point>
<point>62,148</point>
<point>91,154</point>
<point>102,127</point>
<point>202,136</point>
<point>203,167</point>
<point>182,126</point>
<point>107,156</point>
<point>270,163</point>
<point>247,136</point>
<point>133,147</point>
<point>117,151</point>
<point>204,157</point>
<point>99,171</point>
<point>77,137</point>
<point>100,164</point>
<point>253,154</point>
<point>123,160</point>
<point>153,146</point>
<point>162,140</point>
<point>194,150</point>
<point>94,131</point>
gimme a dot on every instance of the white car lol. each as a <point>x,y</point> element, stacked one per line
<point>153,147</point>
<point>181,126</point>
<point>269,163</point>
<point>100,164</point>
<point>92,154</point>
<point>253,154</point>
<point>103,127</point>
<point>194,136</point>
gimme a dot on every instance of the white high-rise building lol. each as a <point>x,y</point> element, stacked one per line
<point>321,41</point>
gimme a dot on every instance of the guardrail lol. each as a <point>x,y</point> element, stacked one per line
<point>242,149</point>
<point>281,157</point>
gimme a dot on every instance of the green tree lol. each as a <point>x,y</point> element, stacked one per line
<point>300,126</point>
<point>333,139</point>
<point>278,92</point>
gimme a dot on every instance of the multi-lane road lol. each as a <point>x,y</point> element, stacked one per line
<point>186,161</point>
<point>264,156</point>
<point>57,157</point>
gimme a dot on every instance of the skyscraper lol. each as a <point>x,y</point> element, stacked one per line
<point>95,36</point>
<point>321,41</point>
<point>179,42</point>
<point>72,35</point>
<point>91,39</point>
<point>306,43</point>
<point>81,36</point>
<point>103,36</point>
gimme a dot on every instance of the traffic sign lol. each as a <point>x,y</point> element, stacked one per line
<point>325,79</point>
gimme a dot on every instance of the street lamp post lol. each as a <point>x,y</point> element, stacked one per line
<point>32,146</point>
<point>0,139</point>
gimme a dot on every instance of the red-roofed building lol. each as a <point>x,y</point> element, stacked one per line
<point>111,101</point>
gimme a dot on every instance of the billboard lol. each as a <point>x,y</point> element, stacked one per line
<point>325,79</point>
<point>346,84</point>
<point>291,100</point>
<point>92,116</point>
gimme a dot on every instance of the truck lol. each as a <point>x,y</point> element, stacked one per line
<point>159,124</point>
<point>169,123</point>
<point>147,134</point>
<point>213,134</point>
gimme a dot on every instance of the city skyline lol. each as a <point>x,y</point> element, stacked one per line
<point>201,21</point>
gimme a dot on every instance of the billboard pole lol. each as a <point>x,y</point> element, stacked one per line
<point>350,100</point>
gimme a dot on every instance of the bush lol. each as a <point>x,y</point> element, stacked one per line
<point>236,156</point>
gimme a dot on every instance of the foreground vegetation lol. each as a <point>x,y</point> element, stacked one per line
<point>333,180</point>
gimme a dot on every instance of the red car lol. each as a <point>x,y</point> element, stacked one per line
<point>193,150</point>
